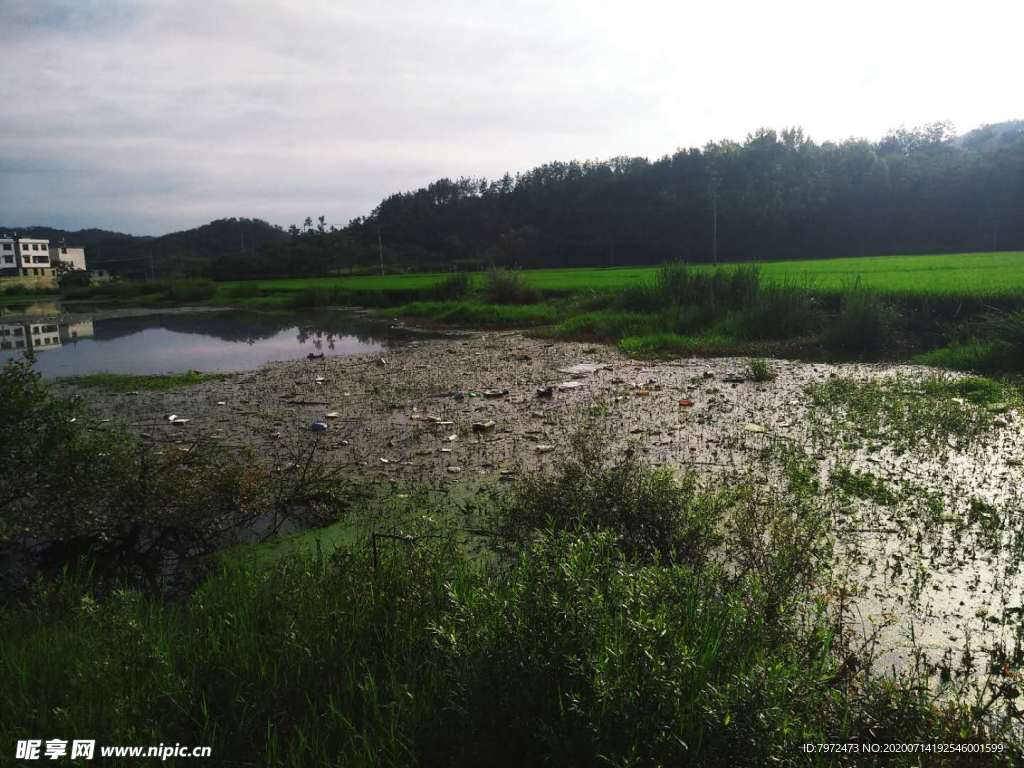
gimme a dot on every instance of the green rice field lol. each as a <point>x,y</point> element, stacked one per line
<point>999,274</point>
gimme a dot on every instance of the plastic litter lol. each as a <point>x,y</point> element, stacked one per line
<point>318,426</point>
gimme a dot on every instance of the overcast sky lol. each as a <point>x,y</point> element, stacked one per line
<point>156,115</point>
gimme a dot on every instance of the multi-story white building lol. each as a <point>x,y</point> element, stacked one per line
<point>8,256</point>
<point>33,256</point>
<point>73,256</point>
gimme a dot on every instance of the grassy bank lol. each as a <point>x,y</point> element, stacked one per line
<point>961,311</point>
<point>739,311</point>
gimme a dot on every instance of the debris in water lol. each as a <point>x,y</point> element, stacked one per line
<point>567,385</point>
<point>483,426</point>
<point>547,391</point>
<point>686,403</point>
<point>318,426</point>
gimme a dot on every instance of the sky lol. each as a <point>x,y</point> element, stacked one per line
<point>149,116</point>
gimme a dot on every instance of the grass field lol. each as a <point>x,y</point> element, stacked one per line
<point>968,274</point>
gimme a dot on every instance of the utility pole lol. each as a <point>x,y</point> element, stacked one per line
<point>714,227</point>
<point>380,252</point>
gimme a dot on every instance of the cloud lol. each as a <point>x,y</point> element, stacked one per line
<point>162,114</point>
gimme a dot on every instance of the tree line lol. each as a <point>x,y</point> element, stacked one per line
<point>777,195</point>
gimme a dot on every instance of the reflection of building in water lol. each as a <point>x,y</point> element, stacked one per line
<point>12,337</point>
<point>44,335</point>
<point>70,332</point>
<point>35,336</point>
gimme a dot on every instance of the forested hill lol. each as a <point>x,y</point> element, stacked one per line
<point>191,252</point>
<point>775,196</point>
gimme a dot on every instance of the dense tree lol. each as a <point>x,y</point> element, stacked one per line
<point>777,195</point>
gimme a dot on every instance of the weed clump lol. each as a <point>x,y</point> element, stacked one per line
<point>502,286</point>
<point>863,326</point>
<point>760,370</point>
<point>653,514</point>
<point>455,286</point>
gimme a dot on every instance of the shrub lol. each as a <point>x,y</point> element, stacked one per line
<point>863,326</point>
<point>653,514</point>
<point>76,490</point>
<point>454,286</point>
<point>189,290</point>
<point>504,287</point>
<point>243,290</point>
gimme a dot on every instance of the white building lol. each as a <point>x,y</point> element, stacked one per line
<point>33,257</point>
<point>8,256</point>
<point>61,253</point>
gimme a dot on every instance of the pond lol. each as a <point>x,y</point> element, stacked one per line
<point>177,341</point>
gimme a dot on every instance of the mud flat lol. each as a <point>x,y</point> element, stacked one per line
<point>928,561</point>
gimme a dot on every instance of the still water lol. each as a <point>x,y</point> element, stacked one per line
<point>229,340</point>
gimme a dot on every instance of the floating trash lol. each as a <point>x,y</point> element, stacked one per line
<point>318,426</point>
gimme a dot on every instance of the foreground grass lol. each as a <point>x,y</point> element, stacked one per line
<point>127,382</point>
<point>617,614</point>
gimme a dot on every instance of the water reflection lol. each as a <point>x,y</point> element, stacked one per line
<point>170,342</point>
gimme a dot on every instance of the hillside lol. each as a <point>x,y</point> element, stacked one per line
<point>189,253</point>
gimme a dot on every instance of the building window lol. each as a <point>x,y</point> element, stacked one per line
<point>8,259</point>
<point>8,247</point>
